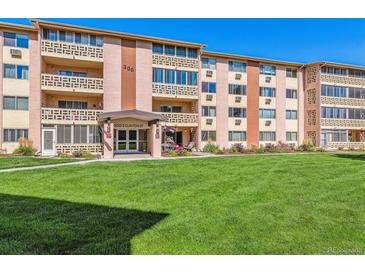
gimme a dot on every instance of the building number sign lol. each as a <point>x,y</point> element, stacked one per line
<point>128,68</point>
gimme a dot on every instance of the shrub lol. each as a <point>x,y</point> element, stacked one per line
<point>25,147</point>
<point>320,149</point>
<point>210,147</point>
<point>340,148</point>
<point>172,154</point>
<point>62,155</point>
<point>77,154</point>
<point>219,151</point>
<point>87,154</point>
<point>188,153</point>
<point>307,146</point>
<point>233,149</point>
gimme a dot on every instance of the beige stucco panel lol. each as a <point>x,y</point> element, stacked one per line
<point>291,125</point>
<point>262,102</point>
<point>264,83</point>
<point>263,127</point>
<point>15,87</point>
<point>232,78</point>
<point>8,59</point>
<point>291,83</point>
<point>291,104</point>
<point>204,77</point>
<point>232,124</point>
<point>204,125</point>
<point>16,119</point>
<point>232,101</point>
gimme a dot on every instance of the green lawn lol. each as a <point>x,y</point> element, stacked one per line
<point>17,161</point>
<point>292,204</point>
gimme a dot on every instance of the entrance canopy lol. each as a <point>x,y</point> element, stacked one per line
<point>135,114</point>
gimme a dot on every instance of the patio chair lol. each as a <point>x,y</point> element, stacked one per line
<point>190,146</point>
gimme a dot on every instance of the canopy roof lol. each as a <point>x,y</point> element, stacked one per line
<point>135,114</point>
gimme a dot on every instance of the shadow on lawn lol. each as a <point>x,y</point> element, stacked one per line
<point>43,226</point>
<point>352,156</point>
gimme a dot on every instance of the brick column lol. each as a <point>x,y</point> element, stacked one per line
<point>108,141</point>
<point>222,103</point>
<point>156,141</point>
<point>280,104</point>
<point>253,86</point>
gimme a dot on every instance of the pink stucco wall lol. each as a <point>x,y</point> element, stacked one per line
<point>1,89</point>
<point>300,108</point>
<point>112,74</point>
<point>108,140</point>
<point>280,103</point>
<point>144,76</point>
<point>35,95</point>
<point>155,138</point>
<point>222,102</point>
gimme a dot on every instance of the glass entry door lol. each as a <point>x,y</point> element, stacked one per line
<point>126,141</point>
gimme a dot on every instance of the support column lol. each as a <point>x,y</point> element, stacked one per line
<point>156,141</point>
<point>253,89</point>
<point>222,103</point>
<point>108,141</point>
<point>280,104</point>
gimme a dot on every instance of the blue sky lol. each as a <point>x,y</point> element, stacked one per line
<point>297,40</point>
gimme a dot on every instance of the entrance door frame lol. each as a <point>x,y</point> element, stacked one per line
<point>53,151</point>
<point>127,140</point>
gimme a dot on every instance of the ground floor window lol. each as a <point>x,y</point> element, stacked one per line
<point>237,136</point>
<point>78,134</point>
<point>208,135</point>
<point>334,135</point>
<point>12,135</point>
<point>291,136</point>
<point>267,135</point>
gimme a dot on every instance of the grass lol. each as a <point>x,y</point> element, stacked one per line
<point>283,204</point>
<point>19,161</point>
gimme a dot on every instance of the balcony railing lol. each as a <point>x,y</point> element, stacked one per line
<point>180,119</point>
<point>71,83</point>
<point>65,115</point>
<point>329,100</point>
<point>173,61</point>
<point>343,123</point>
<point>175,91</point>
<point>71,50</point>
<point>346,145</point>
<point>343,80</point>
<point>69,148</point>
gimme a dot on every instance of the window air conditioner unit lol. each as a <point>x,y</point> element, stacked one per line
<point>209,121</point>
<point>16,53</point>
<point>238,76</point>
<point>267,123</point>
<point>267,101</point>
<point>237,99</point>
<point>237,122</point>
<point>209,97</point>
<point>268,79</point>
<point>209,73</point>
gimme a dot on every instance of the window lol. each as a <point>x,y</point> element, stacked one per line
<point>209,63</point>
<point>15,71</point>
<point>267,113</point>
<point>64,134</point>
<point>92,40</point>
<point>236,136</point>
<point>291,73</point>
<point>169,76</point>
<point>291,94</point>
<point>208,135</point>
<point>291,115</point>
<point>208,111</point>
<point>267,136</point>
<point>175,109</point>
<point>267,70</point>
<point>237,66</point>
<point>181,77</point>
<point>169,50</point>
<point>78,38</point>
<point>66,36</point>
<point>357,93</point>
<point>267,92</point>
<point>157,75</point>
<point>79,134</point>
<point>358,114</point>
<point>94,135</point>
<point>337,113</point>
<point>357,73</point>
<point>157,48</point>
<point>72,104</point>
<point>237,112</point>
<point>333,91</point>
<point>333,70</point>
<point>209,87</point>
<point>50,34</point>
<point>291,136</point>
<point>15,103</point>
<point>16,40</point>
<point>192,53</point>
<point>192,78</point>
<point>180,52</point>
<point>237,89</point>
<point>72,73</point>
<point>12,135</point>
<point>99,41</point>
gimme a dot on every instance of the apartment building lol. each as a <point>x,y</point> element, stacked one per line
<point>70,88</point>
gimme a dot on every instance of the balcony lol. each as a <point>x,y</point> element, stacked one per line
<point>69,116</point>
<point>180,119</point>
<point>69,148</point>
<point>71,51</point>
<point>174,91</point>
<point>175,62</point>
<point>343,123</point>
<point>70,83</point>
<point>342,80</point>
<point>329,100</point>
